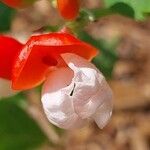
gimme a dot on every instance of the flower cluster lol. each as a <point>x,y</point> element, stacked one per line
<point>74,90</point>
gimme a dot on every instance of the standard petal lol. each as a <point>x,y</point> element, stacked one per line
<point>57,102</point>
<point>43,51</point>
<point>5,88</point>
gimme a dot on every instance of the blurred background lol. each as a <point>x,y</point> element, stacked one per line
<point>123,37</point>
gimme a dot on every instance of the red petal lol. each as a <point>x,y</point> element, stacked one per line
<point>68,8</point>
<point>43,51</point>
<point>8,50</point>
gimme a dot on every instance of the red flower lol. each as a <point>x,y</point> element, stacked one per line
<point>74,90</point>
<point>34,59</point>
<point>68,8</point>
<point>18,3</point>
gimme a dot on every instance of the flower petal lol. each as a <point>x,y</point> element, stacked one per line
<point>57,102</point>
<point>103,113</point>
<point>91,89</point>
<point>9,48</point>
<point>43,51</point>
<point>73,95</point>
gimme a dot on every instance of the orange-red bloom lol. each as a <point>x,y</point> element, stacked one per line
<point>18,3</point>
<point>34,59</point>
<point>68,8</point>
<point>74,90</point>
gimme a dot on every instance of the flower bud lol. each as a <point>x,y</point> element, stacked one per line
<point>75,94</point>
<point>68,8</point>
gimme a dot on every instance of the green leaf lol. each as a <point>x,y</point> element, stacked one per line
<point>6,15</point>
<point>118,8</point>
<point>107,58</point>
<point>17,130</point>
<point>122,9</point>
<point>140,7</point>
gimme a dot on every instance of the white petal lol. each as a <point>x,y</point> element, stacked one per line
<point>57,102</point>
<point>5,88</point>
<point>71,96</point>
<point>103,114</point>
<point>91,90</point>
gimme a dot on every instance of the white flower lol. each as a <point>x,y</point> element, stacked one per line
<point>73,95</point>
<point>5,88</point>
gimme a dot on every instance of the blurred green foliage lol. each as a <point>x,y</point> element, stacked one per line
<point>118,8</point>
<point>141,7</point>
<point>17,130</point>
<point>6,15</point>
